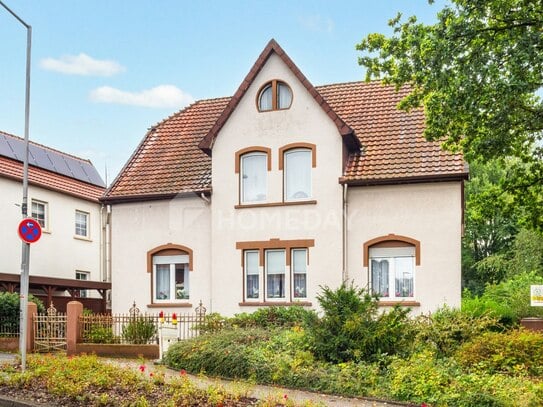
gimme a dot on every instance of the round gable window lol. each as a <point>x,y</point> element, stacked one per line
<point>274,95</point>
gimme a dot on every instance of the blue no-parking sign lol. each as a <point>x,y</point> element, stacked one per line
<point>29,230</point>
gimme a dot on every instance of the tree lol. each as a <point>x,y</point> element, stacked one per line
<point>491,223</point>
<point>476,72</point>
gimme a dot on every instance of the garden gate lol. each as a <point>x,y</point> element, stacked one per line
<point>50,331</point>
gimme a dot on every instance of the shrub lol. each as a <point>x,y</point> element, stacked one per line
<point>425,379</point>
<point>100,334</point>
<point>448,328</point>
<point>515,295</point>
<point>227,353</point>
<point>516,352</point>
<point>10,310</point>
<point>353,329</point>
<point>274,317</point>
<point>140,330</point>
<point>483,306</point>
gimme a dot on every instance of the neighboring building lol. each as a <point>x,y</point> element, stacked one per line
<point>261,198</point>
<point>63,196</point>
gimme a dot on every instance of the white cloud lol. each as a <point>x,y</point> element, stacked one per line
<point>317,23</point>
<point>82,64</point>
<point>159,96</point>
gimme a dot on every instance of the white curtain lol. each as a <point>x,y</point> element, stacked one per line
<point>404,276</point>
<point>298,174</point>
<point>254,177</point>
<point>162,282</point>
<point>284,96</point>
<point>265,102</point>
<point>275,272</point>
<point>299,268</point>
<point>379,278</point>
<point>251,269</point>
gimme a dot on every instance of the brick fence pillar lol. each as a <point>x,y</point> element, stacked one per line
<point>74,309</point>
<point>32,310</point>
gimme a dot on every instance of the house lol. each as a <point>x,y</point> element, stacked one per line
<point>261,198</point>
<point>63,196</point>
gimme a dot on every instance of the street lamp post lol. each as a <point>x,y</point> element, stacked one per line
<point>24,207</point>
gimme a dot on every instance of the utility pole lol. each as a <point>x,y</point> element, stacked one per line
<point>24,207</point>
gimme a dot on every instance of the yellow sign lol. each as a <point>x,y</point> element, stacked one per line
<point>536,295</point>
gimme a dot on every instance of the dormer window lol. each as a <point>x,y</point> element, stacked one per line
<point>274,95</point>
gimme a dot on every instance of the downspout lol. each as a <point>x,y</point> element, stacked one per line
<point>345,273</point>
<point>208,203</point>
<point>102,245</point>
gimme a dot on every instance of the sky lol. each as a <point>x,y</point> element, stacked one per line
<point>104,71</point>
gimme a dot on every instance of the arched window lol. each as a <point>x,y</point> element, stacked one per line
<point>297,161</point>
<point>274,95</point>
<point>170,266</point>
<point>391,262</point>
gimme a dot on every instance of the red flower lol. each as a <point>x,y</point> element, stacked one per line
<point>151,374</point>
<point>142,368</point>
<point>183,372</point>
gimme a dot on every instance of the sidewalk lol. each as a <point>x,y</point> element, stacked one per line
<point>259,391</point>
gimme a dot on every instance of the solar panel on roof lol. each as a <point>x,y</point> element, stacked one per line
<point>75,168</point>
<point>18,149</point>
<point>5,149</point>
<point>60,165</point>
<point>50,160</point>
<point>41,158</point>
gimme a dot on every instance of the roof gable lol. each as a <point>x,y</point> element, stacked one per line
<point>347,133</point>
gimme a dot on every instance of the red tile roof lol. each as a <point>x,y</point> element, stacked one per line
<point>168,160</point>
<point>393,147</point>
<point>13,169</point>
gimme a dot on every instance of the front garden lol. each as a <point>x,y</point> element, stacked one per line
<point>478,356</point>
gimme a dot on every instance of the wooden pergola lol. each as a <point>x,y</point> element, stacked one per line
<point>51,285</point>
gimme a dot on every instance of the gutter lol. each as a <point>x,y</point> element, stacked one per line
<point>345,273</point>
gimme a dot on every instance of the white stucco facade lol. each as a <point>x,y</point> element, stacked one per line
<point>138,228</point>
<point>430,213</point>
<point>216,229</point>
<point>59,253</point>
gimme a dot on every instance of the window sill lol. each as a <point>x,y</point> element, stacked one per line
<point>271,204</point>
<point>170,305</point>
<point>275,303</point>
<point>403,303</point>
<point>83,238</point>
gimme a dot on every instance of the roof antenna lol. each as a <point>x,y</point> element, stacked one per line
<point>105,172</point>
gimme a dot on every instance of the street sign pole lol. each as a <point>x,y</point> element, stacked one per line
<point>24,207</point>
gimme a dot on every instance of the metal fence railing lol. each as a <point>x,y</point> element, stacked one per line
<point>136,327</point>
<point>9,327</point>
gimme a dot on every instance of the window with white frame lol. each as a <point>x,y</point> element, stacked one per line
<point>171,278</point>
<point>83,276</point>
<point>277,274</point>
<point>297,174</point>
<point>81,224</point>
<point>392,271</point>
<point>254,177</point>
<point>299,273</point>
<point>252,274</point>
<point>39,213</point>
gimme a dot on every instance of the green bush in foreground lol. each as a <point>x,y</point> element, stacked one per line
<point>517,352</point>
<point>440,382</point>
<point>353,328</point>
